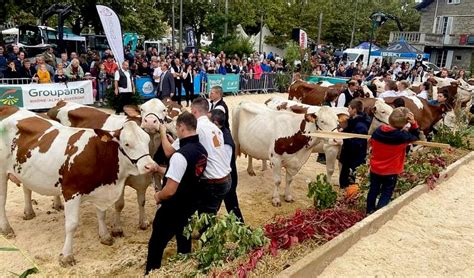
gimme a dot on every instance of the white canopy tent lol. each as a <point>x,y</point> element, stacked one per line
<point>11,31</point>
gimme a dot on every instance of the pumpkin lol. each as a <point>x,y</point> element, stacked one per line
<point>352,190</point>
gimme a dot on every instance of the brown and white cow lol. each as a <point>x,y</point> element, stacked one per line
<point>312,94</point>
<point>279,136</point>
<point>52,159</point>
<point>78,115</point>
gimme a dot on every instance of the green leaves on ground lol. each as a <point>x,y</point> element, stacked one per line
<point>225,239</point>
<point>322,193</point>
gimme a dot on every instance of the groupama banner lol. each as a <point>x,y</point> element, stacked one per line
<point>40,96</point>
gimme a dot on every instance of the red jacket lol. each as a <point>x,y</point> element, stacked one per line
<point>389,149</point>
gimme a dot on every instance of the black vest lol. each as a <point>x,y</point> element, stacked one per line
<point>226,110</point>
<point>229,141</point>
<point>122,83</point>
<point>196,157</point>
<point>349,98</point>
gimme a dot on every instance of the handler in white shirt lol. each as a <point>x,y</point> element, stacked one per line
<point>391,90</point>
<point>217,181</point>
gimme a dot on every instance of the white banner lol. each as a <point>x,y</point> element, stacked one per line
<point>40,96</point>
<point>113,31</point>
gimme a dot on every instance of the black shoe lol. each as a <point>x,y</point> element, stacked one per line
<point>321,159</point>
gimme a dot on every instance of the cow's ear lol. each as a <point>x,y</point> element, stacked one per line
<point>310,117</point>
<point>372,110</point>
<point>104,136</point>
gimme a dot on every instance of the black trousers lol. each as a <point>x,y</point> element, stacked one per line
<point>122,100</point>
<point>189,90</point>
<point>179,84</point>
<point>169,222</point>
<point>232,203</point>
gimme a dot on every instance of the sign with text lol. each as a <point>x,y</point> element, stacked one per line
<point>228,82</point>
<point>40,96</point>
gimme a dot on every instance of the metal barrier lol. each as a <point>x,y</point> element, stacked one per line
<point>251,82</point>
<point>15,81</point>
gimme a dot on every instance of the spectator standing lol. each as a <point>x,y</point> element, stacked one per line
<point>177,71</point>
<point>188,83</point>
<point>64,60</point>
<point>43,74</point>
<point>178,196</point>
<point>110,66</point>
<point>257,69</point>
<point>74,71</point>
<point>11,71</point>
<point>101,84</point>
<point>60,77</point>
<point>40,61</point>
<point>27,71</point>
<point>3,61</point>
<point>49,57</point>
<point>167,86</point>
<point>124,88</point>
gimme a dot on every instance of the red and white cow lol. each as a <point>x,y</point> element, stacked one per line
<point>78,115</point>
<point>52,159</point>
<point>279,136</point>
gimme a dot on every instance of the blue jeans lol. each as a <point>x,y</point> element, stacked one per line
<point>101,88</point>
<point>212,195</point>
<point>383,185</point>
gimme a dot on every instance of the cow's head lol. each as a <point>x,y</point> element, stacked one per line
<point>134,146</point>
<point>153,114</point>
<point>380,112</point>
<point>380,84</point>
<point>324,119</point>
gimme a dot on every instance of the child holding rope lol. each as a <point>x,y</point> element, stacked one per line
<point>388,144</point>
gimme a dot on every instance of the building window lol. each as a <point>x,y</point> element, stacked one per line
<point>441,58</point>
<point>454,1</point>
<point>458,57</point>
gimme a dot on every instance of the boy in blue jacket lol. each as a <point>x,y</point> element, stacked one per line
<point>354,150</point>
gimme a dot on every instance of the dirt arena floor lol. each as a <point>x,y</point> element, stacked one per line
<point>42,238</point>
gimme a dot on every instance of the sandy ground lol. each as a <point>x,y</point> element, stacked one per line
<point>432,236</point>
<point>42,238</point>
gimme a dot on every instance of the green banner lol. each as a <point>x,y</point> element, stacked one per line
<point>11,95</point>
<point>228,82</point>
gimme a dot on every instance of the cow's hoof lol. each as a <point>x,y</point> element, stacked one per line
<point>7,232</point>
<point>107,240</point>
<point>251,173</point>
<point>143,225</point>
<point>276,202</point>
<point>117,232</point>
<point>29,215</point>
<point>58,207</point>
<point>66,261</point>
<point>289,199</point>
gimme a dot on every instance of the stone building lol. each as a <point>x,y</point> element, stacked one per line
<point>446,32</point>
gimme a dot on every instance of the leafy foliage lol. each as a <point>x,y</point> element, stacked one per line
<point>322,193</point>
<point>459,135</point>
<point>225,239</point>
<point>232,45</point>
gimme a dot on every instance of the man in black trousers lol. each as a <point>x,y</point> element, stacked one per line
<point>167,85</point>
<point>231,201</point>
<point>178,196</point>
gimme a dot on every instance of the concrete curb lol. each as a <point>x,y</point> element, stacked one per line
<point>315,262</point>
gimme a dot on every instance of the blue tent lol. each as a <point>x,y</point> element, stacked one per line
<point>402,49</point>
<point>366,45</point>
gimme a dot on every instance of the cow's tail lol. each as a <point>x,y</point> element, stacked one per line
<point>235,128</point>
